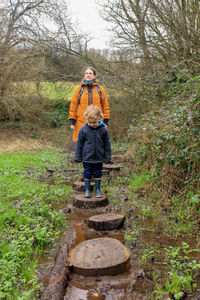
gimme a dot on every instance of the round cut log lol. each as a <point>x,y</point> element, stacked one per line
<point>92,233</point>
<point>81,202</point>
<point>111,167</point>
<point>117,157</point>
<point>105,222</point>
<point>100,256</point>
<point>80,186</point>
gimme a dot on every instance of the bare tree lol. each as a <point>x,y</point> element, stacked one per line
<point>162,30</point>
<point>129,25</point>
<point>176,27</point>
<point>30,30</point>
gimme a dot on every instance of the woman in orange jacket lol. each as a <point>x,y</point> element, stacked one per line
<point>89,92</point>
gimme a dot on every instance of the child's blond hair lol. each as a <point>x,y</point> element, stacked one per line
<point>93,112</point>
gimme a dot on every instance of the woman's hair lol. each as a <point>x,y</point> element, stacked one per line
<point>92,69</point>
<point>93,112</point>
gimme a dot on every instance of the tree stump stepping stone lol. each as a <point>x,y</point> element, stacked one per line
<point>105,222</point>
<point>111,167</point>
<point>80,186</point>
<point>100,256</point>
<point>92,233</point>
<point>117,157</point>
<point>80,201</point>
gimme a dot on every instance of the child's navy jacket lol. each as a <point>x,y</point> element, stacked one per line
<point>93,145</point>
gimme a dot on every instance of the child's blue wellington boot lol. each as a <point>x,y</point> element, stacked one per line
<point>87,188</point>
<point>97,185</point>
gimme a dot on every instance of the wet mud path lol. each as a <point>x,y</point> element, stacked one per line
<point>145,237</point>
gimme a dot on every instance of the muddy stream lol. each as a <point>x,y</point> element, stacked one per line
<point>146,239</point>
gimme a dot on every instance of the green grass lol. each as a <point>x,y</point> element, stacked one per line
<point>139,181</point>
<point>57,90</point>
<point>50,90</point>
<point>182,272</point>
<point>27,222</point>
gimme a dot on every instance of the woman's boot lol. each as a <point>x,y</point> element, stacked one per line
<point>87,188</point>
<point>97,185</point>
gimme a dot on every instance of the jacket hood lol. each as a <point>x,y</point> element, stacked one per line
<point>100,124</point>
<point>84,82</point>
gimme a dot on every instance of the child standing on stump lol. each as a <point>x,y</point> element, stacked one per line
<point>93,148</point>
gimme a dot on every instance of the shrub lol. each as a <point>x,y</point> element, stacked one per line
<point>168,137</point>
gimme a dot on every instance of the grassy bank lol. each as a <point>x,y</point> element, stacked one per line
<point>166,145</point>
<point>27,222</point>
<point>62,91</point>
<point>37,103</point>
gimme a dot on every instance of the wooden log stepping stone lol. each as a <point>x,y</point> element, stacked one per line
<point>105,222</point>
<point>117,157</point>
<point>111,167</point>
<point>92,233</point>
<point>80,186</point>
<point>105,172</point>
<point>80,201</point>
<point>100,256</point>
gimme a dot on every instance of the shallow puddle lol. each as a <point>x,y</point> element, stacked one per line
<point>124,286</point>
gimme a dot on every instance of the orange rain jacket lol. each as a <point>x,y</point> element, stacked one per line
<point>77,110</point>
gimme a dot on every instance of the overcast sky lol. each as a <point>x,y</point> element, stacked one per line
<point>86,13</point>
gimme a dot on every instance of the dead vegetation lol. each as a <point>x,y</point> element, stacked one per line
<point>15,141</point>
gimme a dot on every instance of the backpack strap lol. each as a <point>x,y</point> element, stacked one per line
<point>100,95</point>
<point>81,92</point>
